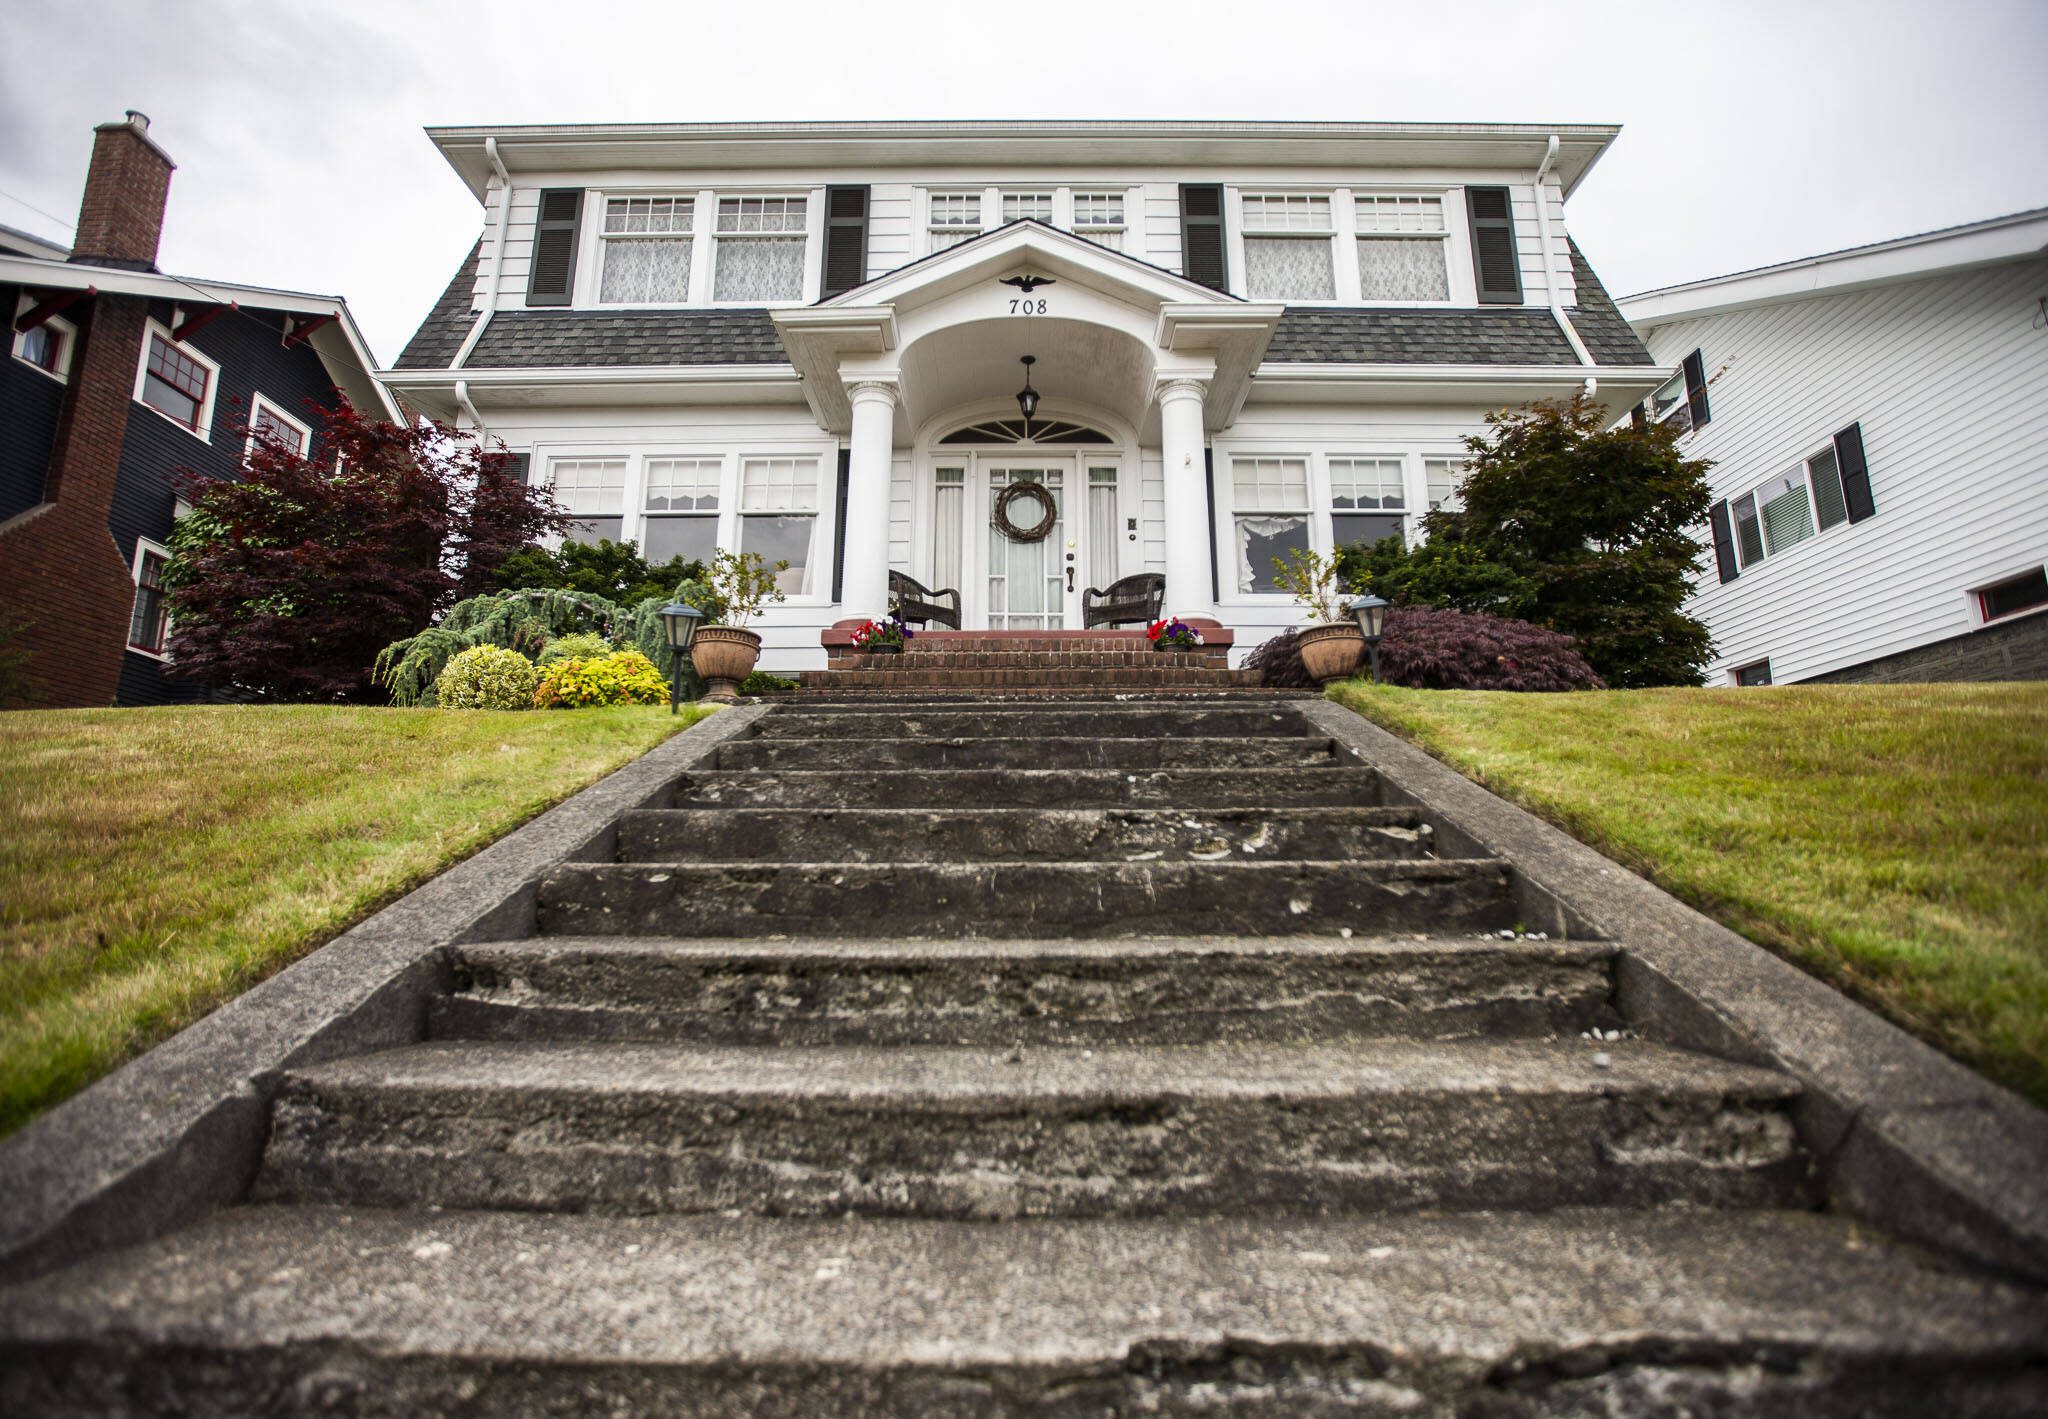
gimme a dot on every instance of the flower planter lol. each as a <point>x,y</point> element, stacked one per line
<point>724,656</point>
<point>881,650</point>
<point>1163,644</point>
<point>1331,650</point>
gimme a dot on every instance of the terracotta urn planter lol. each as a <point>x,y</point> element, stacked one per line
<point>724,656</point>
<point>1329,651</point>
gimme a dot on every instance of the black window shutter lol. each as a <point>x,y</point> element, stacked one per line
<point>1495,262</point>
<point>839,523</point>
<point>1696,389</point>
<point>519,466</point>
<point>1855,472</point>
<point>1202,248</point>
<point>1724,541</point>
<point>1209,487</point>
<point>553,272</point>
<point>846,238</point>
<point>1639,417</point>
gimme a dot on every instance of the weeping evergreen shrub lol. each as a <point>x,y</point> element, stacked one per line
<point>577,645</point>
<point>524,621</point>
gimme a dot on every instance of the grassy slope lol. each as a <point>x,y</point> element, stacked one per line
<point>157,861</point>
<point>1892,840</point>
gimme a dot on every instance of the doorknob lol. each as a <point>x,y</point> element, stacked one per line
<point>1070,579</point>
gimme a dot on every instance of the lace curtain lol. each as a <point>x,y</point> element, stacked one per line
<point>1395,270</point>
<point>1289,268</point>
<point>645,270</point>
<point>1261,541</point>
<point>760,269</point>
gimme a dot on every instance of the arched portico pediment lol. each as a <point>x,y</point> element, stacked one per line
<point>948,330</point>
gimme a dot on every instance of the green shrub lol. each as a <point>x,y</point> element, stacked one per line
<point>580,645</point>
<point>624,677</point>
<point>762,683</point>
<point>487,677</point>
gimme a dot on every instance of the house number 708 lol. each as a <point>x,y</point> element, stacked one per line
<point>1027,306</point>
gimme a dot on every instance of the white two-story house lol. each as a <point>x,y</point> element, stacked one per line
<point>809,341</point>
<point>1874,417</point>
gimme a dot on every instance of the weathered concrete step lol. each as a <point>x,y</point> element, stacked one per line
<point>922,661</point>
<point>1339,786</point>
<point>1038,753</point>
<point>1118,1131</point>
<point>1135,677</point>
<point>1108,721</point>
<point>1021,834</point>
<point>273,1310</point>
<point>969,900</point>
<point>812,696</point>
<point>1023,992</point>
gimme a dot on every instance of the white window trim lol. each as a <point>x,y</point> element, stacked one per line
<point>65,330</point>
<point>143,545</point>
<point>1451,202</point>
<point>731,461</point>
<point>259,402</point>
<point>1234,207</point>
<point>204,432</point>
<point>703,238</point>
<point>1461,280</point>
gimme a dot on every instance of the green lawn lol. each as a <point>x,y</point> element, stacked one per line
<point>1892,840</point>
<point>157,861</point>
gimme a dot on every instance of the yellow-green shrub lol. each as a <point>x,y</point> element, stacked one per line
<point>624,677</point>
<point>487,677</point>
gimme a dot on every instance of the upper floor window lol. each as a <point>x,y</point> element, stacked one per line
<point>954,217</point>
<point>760,249</point>
<point>48,345</point>
<point>1288,247</point>
<point>270,424</point>
<point>1099,216</point>
<point>1402,244</point>
<point>646,245</point>
<point>176,381</point>
<point>593,491</point>
<point>1681,401</point>
<point>1027,207</point>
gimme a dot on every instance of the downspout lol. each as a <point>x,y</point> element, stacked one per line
<point>483,318</point>
<point>1543,244</point>
<point>462,398</point>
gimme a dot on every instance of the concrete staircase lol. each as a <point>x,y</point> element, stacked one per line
<point>1020,662</point>
<point>1070,1059</point>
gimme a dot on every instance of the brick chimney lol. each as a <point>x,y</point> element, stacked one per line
<point>121,216</point>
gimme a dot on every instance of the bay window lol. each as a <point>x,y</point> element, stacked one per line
<point>681,508</point>
<point>1368,500</point>
<point>645,249</point>
<point>760,249</point>
<point>593,491</point>
<point>1402,248</point>
<point>1289,245</point>
<point>779,516</point>
<point>1270,516</point>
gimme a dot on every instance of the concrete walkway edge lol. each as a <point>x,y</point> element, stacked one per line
<point>1904,1136</point>
<point>178,1132</point>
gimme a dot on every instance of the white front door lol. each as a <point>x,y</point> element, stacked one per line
<point>1030,586</point>
<point>1010,585</point>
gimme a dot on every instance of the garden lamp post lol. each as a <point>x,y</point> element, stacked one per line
<point>1371,614</point>
<point>680,622</point>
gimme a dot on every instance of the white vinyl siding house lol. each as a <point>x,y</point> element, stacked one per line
<point>1925,349</point>
<point>669,329</point>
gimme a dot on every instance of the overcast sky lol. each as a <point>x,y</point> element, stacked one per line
<point>1752,132</point>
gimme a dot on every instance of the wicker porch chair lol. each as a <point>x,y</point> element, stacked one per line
<point>911,601</point>
<point>1132,598</point>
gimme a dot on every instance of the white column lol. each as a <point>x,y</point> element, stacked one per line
<point>1188,532</point>
<point>865,583</point>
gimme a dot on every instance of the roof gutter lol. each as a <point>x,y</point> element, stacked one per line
<point>1543,244</point>
<point>462,398</point>
<point>504,223</point>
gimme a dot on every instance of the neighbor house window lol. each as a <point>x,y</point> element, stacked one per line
<point>48,346</point>
<point>681,508</point>
<point>779,516</point>
<point>1288,247</point>
<point>177,381</point>
<point>1368,502</point>
<point>646,249</point>
<point>1099,216</point>
<point>954,217</point>
<point>1757,672</point>
<point>1443,477</point>
<point>593,491</point>
<point>1401,249</point>
<point>1270,514</point>
<point>760,249</point>
<point>149,623</point>
<point>1027,206</point>
<point>2009,598</point>
<point>271,425</point>
<point>1793,506</point>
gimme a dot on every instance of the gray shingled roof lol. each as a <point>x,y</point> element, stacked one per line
<point>529,339</point>
<point>1608,337</point>
<point>440,335</point>
<point>1511,335</point>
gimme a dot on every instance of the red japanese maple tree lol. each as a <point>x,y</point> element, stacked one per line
<point>286,583</point>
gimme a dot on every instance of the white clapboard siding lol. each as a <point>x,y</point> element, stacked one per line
<point>891,240</point>
<point>518,256</point>
<point>1948,382</point>
<point>1529,244</point>
<point>902,501</point>
<point>1152,512</point>
<point>1157,226</point>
